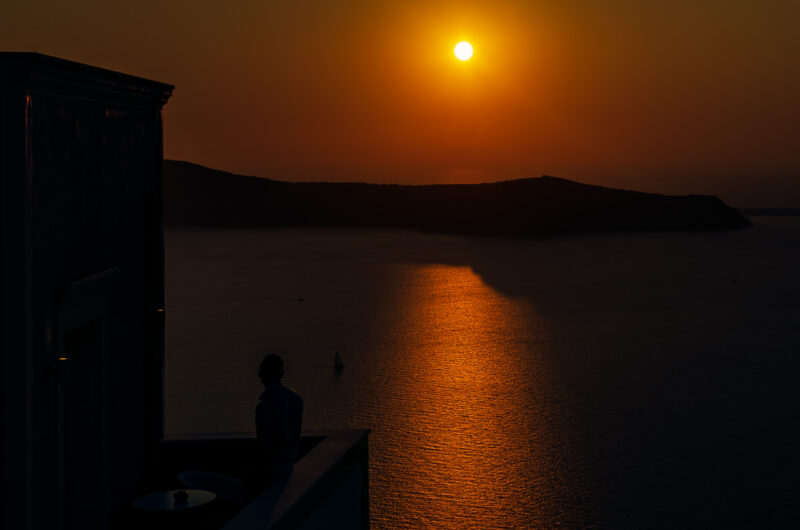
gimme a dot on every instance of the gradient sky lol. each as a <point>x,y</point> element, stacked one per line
<point>671,96</point>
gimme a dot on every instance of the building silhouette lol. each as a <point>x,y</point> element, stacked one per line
<point>82,288</point>
<point>82,328</point>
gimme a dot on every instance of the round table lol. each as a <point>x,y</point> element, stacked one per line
<point>174,500</point>
<point>165,509</point>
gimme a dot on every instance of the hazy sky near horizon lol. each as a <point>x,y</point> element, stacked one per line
<point>680,96</point>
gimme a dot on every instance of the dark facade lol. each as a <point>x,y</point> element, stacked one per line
<point>82,289</point>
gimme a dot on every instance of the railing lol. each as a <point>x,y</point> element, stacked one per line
<point>328,487</point>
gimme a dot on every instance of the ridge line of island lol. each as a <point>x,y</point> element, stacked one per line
<point>195,195</point>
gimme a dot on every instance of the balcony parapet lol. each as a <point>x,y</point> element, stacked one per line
<point>329,483</point>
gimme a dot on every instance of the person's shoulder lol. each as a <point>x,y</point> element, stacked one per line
<point>293,395</point>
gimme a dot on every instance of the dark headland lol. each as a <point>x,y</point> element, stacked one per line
<point>198,196</point>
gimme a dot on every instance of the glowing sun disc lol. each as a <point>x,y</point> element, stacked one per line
<point>463,51</point>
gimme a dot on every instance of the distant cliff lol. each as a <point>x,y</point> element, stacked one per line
<point>198,196</point>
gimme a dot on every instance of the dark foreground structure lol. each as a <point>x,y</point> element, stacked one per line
<point>82,324</point>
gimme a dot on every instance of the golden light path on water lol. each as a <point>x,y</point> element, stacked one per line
<point>458,382</point>
<point>457,420</point>
<point>451,376</point>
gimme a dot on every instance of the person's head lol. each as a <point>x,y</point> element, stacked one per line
<point>271,369</point>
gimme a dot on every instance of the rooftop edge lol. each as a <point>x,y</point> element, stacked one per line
<point>53,74</point>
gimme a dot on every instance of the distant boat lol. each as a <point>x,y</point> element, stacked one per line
<point>338,363</point>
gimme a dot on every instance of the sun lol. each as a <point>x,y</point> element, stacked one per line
<point>463,51</point>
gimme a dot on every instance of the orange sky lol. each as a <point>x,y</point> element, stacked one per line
<point>667,96</point>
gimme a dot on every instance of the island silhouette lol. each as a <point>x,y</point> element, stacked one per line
<point>195,195</point>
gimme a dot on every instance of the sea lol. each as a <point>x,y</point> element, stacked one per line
<point>625,380</point>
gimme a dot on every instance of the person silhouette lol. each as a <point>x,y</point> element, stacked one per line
<point>279,420</point>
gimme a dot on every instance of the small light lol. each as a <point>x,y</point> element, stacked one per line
<point>160,310</point>
<point>62,358</point>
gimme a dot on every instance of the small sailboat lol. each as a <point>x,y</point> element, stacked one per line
<point>338,363</point>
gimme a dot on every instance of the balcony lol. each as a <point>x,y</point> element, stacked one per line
<point>328,487</point>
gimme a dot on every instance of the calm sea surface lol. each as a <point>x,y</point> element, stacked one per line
<point>631,380</point>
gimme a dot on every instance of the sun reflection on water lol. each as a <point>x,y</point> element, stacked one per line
<point>455,403</point>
